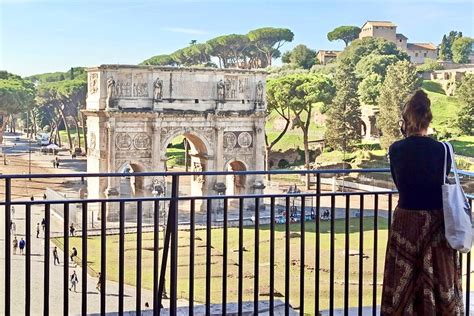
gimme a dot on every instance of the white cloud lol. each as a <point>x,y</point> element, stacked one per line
<point>184,30</point>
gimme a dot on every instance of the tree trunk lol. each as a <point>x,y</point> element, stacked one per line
<point>84,131</point>
<point>306,156</point>
<point>78,132</point>
<point>267,161</point>
<point>35,130</point>
<point>66,126</point>
<point>269,58</point>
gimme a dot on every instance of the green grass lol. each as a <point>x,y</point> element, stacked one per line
<point>444,107</point>
<point>175,157</point>
<point>64,140</point>
<point>463,145</point>
<point>264,262</point>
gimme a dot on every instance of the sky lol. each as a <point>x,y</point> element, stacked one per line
<point>40,36</point>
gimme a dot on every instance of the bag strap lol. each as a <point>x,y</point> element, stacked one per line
<point>453,164</point>
<point>445,162</point>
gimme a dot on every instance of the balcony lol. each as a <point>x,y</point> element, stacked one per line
<point>318,251</point>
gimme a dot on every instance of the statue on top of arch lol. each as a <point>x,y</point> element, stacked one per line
<point>158,90</point>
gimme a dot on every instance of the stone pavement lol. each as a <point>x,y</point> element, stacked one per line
<point>56,275</point>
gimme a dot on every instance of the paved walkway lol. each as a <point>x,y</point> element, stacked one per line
<point>56,275</point>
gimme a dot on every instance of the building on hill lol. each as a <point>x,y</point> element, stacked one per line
<point>401,41</point>
<point>418,52</point>
<point>326,56</point>
<point>383,29</point>
<point>387,30</point>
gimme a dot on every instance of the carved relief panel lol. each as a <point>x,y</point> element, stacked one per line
<point>123,85</point>
<point>238,143</point>
<point>140,86</point>
<point>93,83</point>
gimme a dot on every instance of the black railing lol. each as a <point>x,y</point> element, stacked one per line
<point>272,214</point>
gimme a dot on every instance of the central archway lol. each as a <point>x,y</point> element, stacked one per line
<point>199,160</point>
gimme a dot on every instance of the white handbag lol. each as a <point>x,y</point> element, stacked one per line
<point>456,209</point>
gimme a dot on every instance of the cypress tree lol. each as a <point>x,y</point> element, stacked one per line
<point>400,83</point>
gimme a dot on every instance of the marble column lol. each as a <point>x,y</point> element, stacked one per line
<point>111,181</point>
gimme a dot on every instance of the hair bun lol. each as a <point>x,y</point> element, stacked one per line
<point>420,101</point>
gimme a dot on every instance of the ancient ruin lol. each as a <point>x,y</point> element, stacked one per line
<point>134,112</point>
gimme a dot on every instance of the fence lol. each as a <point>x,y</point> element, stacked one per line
<point>302,254</point>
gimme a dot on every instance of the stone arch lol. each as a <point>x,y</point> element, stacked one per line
<point>129,184</point>
<point>201,157</point>
<point>236,184</point>
<point>199,142</point>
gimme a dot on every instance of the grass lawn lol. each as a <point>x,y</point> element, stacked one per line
<point>444,107</point>
<point>464,145</point>
<point>264,262</point>
<point>63,135</point>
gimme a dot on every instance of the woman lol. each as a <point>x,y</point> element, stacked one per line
<point>422,273</point>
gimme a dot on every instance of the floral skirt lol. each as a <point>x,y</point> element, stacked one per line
<point>422,273</point>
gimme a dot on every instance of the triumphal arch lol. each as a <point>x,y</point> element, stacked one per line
<point>134,112</point>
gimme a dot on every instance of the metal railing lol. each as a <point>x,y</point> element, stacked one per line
<point>302,219</point>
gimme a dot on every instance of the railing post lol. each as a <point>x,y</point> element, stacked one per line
<point>171,229</point>
<point>8,244</point>
<point>174,244</point>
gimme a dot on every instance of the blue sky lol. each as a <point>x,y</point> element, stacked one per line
<point>52,35</point>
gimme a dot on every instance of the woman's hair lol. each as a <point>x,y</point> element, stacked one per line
<point>416,113</point>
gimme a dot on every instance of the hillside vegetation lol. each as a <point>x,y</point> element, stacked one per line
<point>444,110</point>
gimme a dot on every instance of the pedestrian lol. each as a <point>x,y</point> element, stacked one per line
<point>44,196</point>
<point>57,164</point>
<point>54,164</point>
<point>32,198</point>
<point>71,229</point>
<point>422,274</point>
<point>22,244</point>
<point>73,253</point>
<point>37,230</point>
<point>43,224</point>
<point>99,281</point>
<point>15,245</point>
<point>55,255</point>
<point>13,212</point>
<point>74,280</point>
<point>13,228</point>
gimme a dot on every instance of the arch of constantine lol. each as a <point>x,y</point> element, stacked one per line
<point>134,112</point>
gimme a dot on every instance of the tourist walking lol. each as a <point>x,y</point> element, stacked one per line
<point>43,224</point>
<point>71,229</point>
<point>22,245</point>
<point>99,282</point>
<point>15,245</point>
<point>55,255</point>
<point>422,272</point>
<point>73,253</point>
<point>13,228</point>
<point>74,280</point>
<point>37,230</point>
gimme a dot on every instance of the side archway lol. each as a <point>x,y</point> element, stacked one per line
<point>236,183</point>
<point>131,185</point>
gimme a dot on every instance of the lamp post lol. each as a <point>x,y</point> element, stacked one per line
<point>29,142</point>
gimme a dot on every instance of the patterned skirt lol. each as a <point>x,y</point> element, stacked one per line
<point>422,273</point>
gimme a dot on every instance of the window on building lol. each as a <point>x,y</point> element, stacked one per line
<point>416,54</point>
<point>424,54</point>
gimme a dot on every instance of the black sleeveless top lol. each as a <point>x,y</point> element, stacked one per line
<point>416,163</point>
